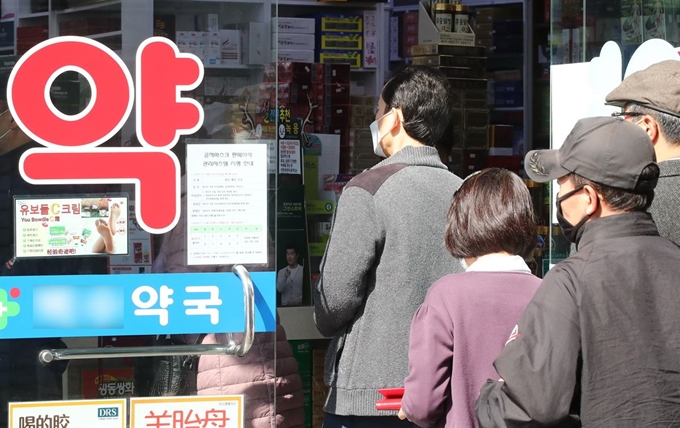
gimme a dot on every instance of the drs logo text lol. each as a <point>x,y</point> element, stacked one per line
<point>107,412</point>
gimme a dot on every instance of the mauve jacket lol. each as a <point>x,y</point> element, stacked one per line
<point>273,391</point>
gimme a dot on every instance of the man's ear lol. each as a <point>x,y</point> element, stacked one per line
<point>650,126</point>
<point>398,119</point>
<point>593,199</point>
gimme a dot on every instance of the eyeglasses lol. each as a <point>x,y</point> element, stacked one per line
<point>623,114</point>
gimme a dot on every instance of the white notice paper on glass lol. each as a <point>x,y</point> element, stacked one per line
<point>289,157</point>
<point>226,204</point>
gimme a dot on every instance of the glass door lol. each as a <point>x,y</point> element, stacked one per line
<point>139,146</point>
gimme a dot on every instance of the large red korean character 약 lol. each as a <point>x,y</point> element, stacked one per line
<point>72,140</point>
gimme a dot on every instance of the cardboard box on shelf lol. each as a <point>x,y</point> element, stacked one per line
<point>331,74</point>
<point>340,23</point>
<point>294,41</point>
<point>230,41</point>
<point>293,25</point>
<point>342,42</point>
<point>32,31</point>
<point>468,84</point>
<point>497,13</point>
<point>474,159</point>
<point>411,17</point>
<point>394,38</point>
<point>207,22</point>
<point>296,55</point>
<point>508,28</point>
<point>163,26</point>
<point>370,52</point>
<point>429,34</point>
<point>334,94</point>
<point>476,138</point>
<point>450,61</point>
<point>213,53</point>
<point>463,72</point>
<point>353,58</point>
<point>253,43</point>
<point>358,110</point>
<point>500,136</point>
<point>443,49</point>
<point>371,24</point>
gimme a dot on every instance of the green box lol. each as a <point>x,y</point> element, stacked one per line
<point>302,351</point>
<point>307,406</point>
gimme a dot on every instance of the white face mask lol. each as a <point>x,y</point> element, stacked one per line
<point>464,264</point>
<point>375,135</point>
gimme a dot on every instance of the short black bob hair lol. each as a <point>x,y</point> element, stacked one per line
<point>491,212</point>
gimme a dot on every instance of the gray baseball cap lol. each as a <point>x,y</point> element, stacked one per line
<point>656,87</point>
<point>605,150</point>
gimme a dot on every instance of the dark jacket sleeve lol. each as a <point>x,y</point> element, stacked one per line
<point>539,363</point>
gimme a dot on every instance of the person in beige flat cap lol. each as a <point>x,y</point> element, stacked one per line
<point>650,98</point>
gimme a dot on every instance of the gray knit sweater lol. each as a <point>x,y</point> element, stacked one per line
<point>666,206</point>
<point>386,249</point>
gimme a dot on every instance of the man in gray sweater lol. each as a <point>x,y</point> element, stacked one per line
<point>386,249</point>
<point>651,99</point>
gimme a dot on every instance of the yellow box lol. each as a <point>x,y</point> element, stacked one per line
<point>353,58</point>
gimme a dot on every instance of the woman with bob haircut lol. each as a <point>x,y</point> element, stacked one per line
<point>466,318</point>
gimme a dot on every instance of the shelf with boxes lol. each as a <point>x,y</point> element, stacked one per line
<point>350,36</point>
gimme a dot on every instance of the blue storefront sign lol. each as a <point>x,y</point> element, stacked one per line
<point>118,305</point>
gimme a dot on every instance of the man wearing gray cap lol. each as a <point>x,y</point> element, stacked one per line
<point>650,98</point>
<point>599,344</point>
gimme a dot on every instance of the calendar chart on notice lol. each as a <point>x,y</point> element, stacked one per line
<point>226,188</point>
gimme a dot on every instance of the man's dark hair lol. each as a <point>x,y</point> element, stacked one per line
<point>619,199</point>
<point>668,124</point>
<point>292,247</point>
<point>424,96</point>
<point>490,213</point>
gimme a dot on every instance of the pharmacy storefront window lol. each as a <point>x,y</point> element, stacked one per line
<point>593,47</point>
<point>148,175</point>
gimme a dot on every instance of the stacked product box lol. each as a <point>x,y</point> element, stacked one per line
<point>332,95</point>
<point>465,67</point>
<point>231,44</point>
<point>288,85</point>
<point>409,33</point>
<point>499,29</point>
<point>501,148</point>
<point>361,143</point>
<point>340,39</point>
<point>29,36</point>
<point>507,89</point>
<point>220,47</point>
<point>371,42</point>
<point>318,94</point>
<point>293,39</point>
<point>302,352</point>
<point>319,388</point>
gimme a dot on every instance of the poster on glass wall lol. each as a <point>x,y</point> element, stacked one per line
<point>70,226</point>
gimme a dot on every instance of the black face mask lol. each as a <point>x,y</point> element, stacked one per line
<point>570,231</point>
